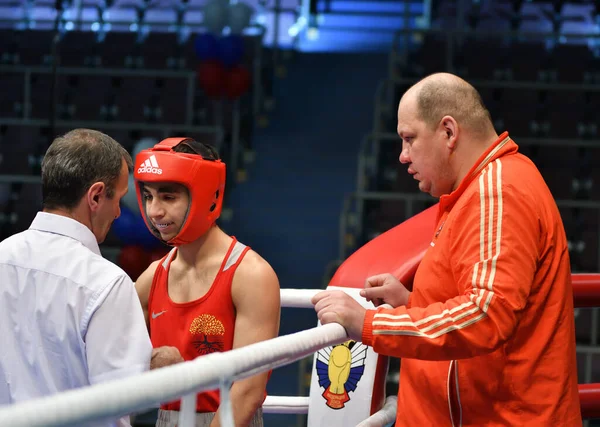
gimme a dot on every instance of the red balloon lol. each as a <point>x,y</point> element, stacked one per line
<point>133,259</point>
<point>211,76</point>
<point>237,82</point>
<point>158,253</point>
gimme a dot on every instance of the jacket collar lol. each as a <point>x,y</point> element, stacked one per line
<point>502,146</point>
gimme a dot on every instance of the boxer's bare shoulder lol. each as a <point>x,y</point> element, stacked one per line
<point>143,284</point>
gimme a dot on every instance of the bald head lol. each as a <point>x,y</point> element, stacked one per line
<point>444,94</point>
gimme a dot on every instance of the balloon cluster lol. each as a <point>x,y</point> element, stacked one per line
<point>220,72</point>
<point>140,246</point>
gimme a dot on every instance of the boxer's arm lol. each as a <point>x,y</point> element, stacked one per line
<point>143,285</point>
<point>256,296</point>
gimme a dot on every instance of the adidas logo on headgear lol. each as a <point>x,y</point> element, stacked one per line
<point>150,166</point>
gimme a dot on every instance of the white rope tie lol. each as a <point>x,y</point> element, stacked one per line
<point>225,408</point>
<point>187,411</point>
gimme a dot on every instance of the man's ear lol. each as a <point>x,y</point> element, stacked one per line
<point>95,195</point>
<point>451,130</point>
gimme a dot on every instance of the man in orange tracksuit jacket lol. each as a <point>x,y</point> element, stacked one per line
<point>487,336</point>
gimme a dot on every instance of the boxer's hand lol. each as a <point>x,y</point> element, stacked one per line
<point>339,307</point>
<point>385,289</point>
<point>165,356</point>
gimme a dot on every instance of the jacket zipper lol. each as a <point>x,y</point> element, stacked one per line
<point>452,388</point>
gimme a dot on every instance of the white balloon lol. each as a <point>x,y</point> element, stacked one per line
<point>215,16</point>
<point>239,15</point>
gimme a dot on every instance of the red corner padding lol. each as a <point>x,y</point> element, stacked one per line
<point>397,251</point>
<point>589,397</point>
<point>586,290</point>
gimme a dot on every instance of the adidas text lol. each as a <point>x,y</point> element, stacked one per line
<point>150,169</point>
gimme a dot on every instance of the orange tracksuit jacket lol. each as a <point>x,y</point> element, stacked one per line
<point>488,336</point>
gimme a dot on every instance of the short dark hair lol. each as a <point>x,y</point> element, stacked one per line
<point>191,146</point>
<point>75,161</point>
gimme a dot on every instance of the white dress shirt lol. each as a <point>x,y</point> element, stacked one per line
<point>68,317</point>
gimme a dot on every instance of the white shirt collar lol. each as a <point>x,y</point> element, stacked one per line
<point>65,226</point>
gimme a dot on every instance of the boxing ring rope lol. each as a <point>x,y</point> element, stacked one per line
<point>586,294</point>
<point>217,370</point>
<point>285,405</point>
<point>383,417</point>
<point>127,395</point>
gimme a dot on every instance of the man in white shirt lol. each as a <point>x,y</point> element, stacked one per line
<point>68,317</point>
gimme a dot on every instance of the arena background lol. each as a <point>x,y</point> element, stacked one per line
<point>301,103</point>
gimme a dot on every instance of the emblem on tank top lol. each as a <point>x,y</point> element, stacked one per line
<point>339,369</point>
<point>209,332</point>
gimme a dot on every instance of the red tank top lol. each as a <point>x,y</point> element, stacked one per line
<point>198,327</point>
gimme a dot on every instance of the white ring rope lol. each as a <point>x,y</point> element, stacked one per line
<point>384,416</point>
<point>298,298</point>
<point>299,405</point>
<point>285,405</point>
<point>128,395</point>
<point>120,397</point>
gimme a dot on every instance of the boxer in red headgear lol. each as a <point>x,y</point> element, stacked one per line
<point>210,293</point>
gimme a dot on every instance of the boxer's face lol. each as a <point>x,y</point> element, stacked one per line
<point>166,205</point>
<point>424,151</point>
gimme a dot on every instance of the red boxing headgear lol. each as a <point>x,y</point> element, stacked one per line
<point>204,179</point>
